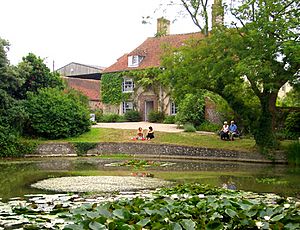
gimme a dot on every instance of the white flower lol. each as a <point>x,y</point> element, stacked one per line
<point>201,196</point>
<point>267,218</point>
<point>166,219</point>
<point>259,224</point>
<point>174,196</point>
<point>286,205</point>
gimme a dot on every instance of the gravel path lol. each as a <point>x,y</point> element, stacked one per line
<point>172,128</point>
<point>100,184</point>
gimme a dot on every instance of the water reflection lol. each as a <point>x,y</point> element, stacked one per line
<point>17,176</point>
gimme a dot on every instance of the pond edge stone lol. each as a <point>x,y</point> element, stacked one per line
<point>56,149</point>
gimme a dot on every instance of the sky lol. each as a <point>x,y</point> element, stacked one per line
<point>93,32</point>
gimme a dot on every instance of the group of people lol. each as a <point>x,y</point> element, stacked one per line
<point>228,132</point>
<point>140,134</point>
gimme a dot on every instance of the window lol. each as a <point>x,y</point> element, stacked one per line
<point>135,60</point>
<point>173,108</point>
<point>127,85</point>
<point>127,106</point>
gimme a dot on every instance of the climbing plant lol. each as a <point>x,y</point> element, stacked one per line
<point>111,84</point>
<point>111,88</point>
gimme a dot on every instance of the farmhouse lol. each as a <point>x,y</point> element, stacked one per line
<point>146,56</point>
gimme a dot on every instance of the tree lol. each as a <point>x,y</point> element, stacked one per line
<point>258,57</point>
<point>36,75</point>
<point>12,115</point>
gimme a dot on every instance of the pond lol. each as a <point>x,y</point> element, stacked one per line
<point>16,176</point>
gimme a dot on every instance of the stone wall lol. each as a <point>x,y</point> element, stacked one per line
<point>55,149</point>
<point>159,151</point>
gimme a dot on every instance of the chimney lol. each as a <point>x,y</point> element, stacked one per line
<point>163,27</point>
<point>217,13</point>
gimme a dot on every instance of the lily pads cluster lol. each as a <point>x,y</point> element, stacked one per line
<point>136,163</point>
<point>190,206</point>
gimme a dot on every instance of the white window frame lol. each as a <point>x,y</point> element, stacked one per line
<point>134,60</point>
<point>173,108</point>
<point>127,85</point>
<point>127,106</point>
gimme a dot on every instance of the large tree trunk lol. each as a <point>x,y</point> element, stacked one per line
<point>264,135</point>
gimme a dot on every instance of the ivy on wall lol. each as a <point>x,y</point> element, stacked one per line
<point>111,88</point>
<point>111,83</point>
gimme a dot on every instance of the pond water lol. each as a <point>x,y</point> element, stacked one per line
<point>16,176</point>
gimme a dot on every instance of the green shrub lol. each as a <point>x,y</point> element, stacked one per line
<point>98,115</point>
<point>26,147</point>
<point>8,143</point>
<point>83,147</point>
<point>156,117</point>
<point>169,119</point>
<point>57,114</point>
<point>292,125</point>
<point>189,128</point>
<point>191,110</point>
<point>132,115</point>
<point>293,152</point>
<point>112,117</point>
<point>209,127</point>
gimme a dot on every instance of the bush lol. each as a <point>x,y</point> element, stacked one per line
<point>83,147</point>
<point>292,125</point>
<point>98,115</point>
<point>191,110</point>
<point>132,115</point>
<point>294,153</point>
<point>209,127</point>
<point>169,119</point>
<point>156,117</point>
<point>8,143</point>
<point>189,128</point>
<point>57,114</point>
<point>112,117</point>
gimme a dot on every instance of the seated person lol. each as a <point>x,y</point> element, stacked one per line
<point>232,130</point>
<point>224,134</point>
<point>139,135</point>
<point>150,133</point>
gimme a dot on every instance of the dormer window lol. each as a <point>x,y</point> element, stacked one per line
<point>134,60</point>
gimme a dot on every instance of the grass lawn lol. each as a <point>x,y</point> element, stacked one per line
<point>183,138</point>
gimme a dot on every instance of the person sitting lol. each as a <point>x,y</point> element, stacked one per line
<point>232,130</point>
<point>139,135</point>
<point>224,134</point>
<point>150,133</point>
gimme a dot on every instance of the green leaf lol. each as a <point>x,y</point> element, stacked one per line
<point>103,212</point>
<point>122,214</point>
<point>214,225</point>
<point>277,217</point>
<point>188,224</point>
<point>175,226</point>
<point>73,227</point>
<point>143,222</point>
<point>92,215</point>
<point>96,226</point>
<point>230,212</point>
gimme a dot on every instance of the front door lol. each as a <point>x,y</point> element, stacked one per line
<point>149,106</point>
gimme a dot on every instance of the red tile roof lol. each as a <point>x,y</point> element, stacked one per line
<point>152,50</point>
<point>90,88</point>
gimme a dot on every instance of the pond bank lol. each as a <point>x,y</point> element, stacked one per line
<point>138,149</point>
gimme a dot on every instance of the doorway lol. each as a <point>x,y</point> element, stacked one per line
<point>149,106</point>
